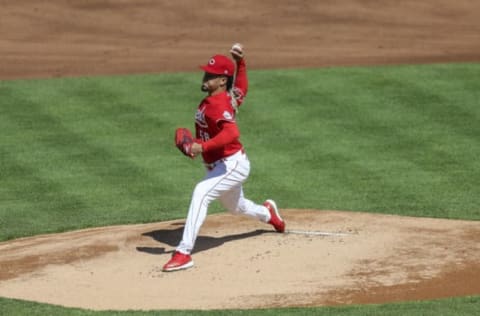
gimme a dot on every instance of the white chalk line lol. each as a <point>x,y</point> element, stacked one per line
<point>317,233</point>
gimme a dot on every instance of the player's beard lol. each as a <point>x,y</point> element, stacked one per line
<point>204,87</point>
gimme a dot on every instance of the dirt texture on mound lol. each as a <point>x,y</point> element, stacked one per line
<point>327,258</point>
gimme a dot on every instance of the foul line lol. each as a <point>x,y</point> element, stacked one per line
<point>316,233</point>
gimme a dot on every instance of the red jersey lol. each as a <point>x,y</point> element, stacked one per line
<point>212,114</point>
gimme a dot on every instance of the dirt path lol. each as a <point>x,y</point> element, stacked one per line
<point>239,263</point>
<point>70,38</point>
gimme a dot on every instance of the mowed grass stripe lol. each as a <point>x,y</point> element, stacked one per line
<point>86,177</point>
<point>133,124</point>
<point>368,137</point>
<point>410,120</point>
<point>438,142</point>
<point>398,140</point>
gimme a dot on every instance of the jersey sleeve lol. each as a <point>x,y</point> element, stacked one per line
<point>240,86</point>
<point>228,133</point>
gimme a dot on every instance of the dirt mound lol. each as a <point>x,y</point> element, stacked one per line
<point>328,258</point>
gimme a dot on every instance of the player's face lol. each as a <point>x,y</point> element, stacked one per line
<point>212,83</point>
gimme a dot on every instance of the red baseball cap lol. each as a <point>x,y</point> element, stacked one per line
<point>220,65</point>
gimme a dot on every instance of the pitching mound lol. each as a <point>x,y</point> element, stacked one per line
<point>330,258</point>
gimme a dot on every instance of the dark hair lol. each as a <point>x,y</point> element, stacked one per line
<point>229,83</point>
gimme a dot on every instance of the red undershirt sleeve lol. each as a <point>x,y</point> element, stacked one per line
<point>240,86</point>
<point>241,81</point>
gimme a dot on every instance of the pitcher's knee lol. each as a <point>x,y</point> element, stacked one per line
<point>233,209</point>
<point>240,209</point>
<point>202,195</point>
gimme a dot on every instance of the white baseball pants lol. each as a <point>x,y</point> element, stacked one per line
<point>224,182</point>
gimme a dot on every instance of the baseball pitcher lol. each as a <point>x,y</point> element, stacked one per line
<point>217,141</point>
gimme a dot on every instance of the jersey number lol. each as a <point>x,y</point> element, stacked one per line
<point>204,135</point>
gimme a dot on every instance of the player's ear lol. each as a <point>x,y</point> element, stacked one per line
<point>223,80</point>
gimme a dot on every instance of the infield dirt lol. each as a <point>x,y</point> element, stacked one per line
<point>239,263</point>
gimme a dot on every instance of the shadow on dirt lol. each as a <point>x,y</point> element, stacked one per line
<point>172,237</point>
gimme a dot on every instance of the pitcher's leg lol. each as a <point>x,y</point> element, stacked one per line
<point>234,201</point>
<point>217,181</point>
<point>202,196</point>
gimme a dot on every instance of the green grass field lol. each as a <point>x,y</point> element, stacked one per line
<point>447,307</point>
<point>84,152</point>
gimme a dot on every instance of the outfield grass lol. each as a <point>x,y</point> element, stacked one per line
<point>87,152</point>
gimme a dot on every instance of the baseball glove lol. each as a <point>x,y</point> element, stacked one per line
<point>184,141</point>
